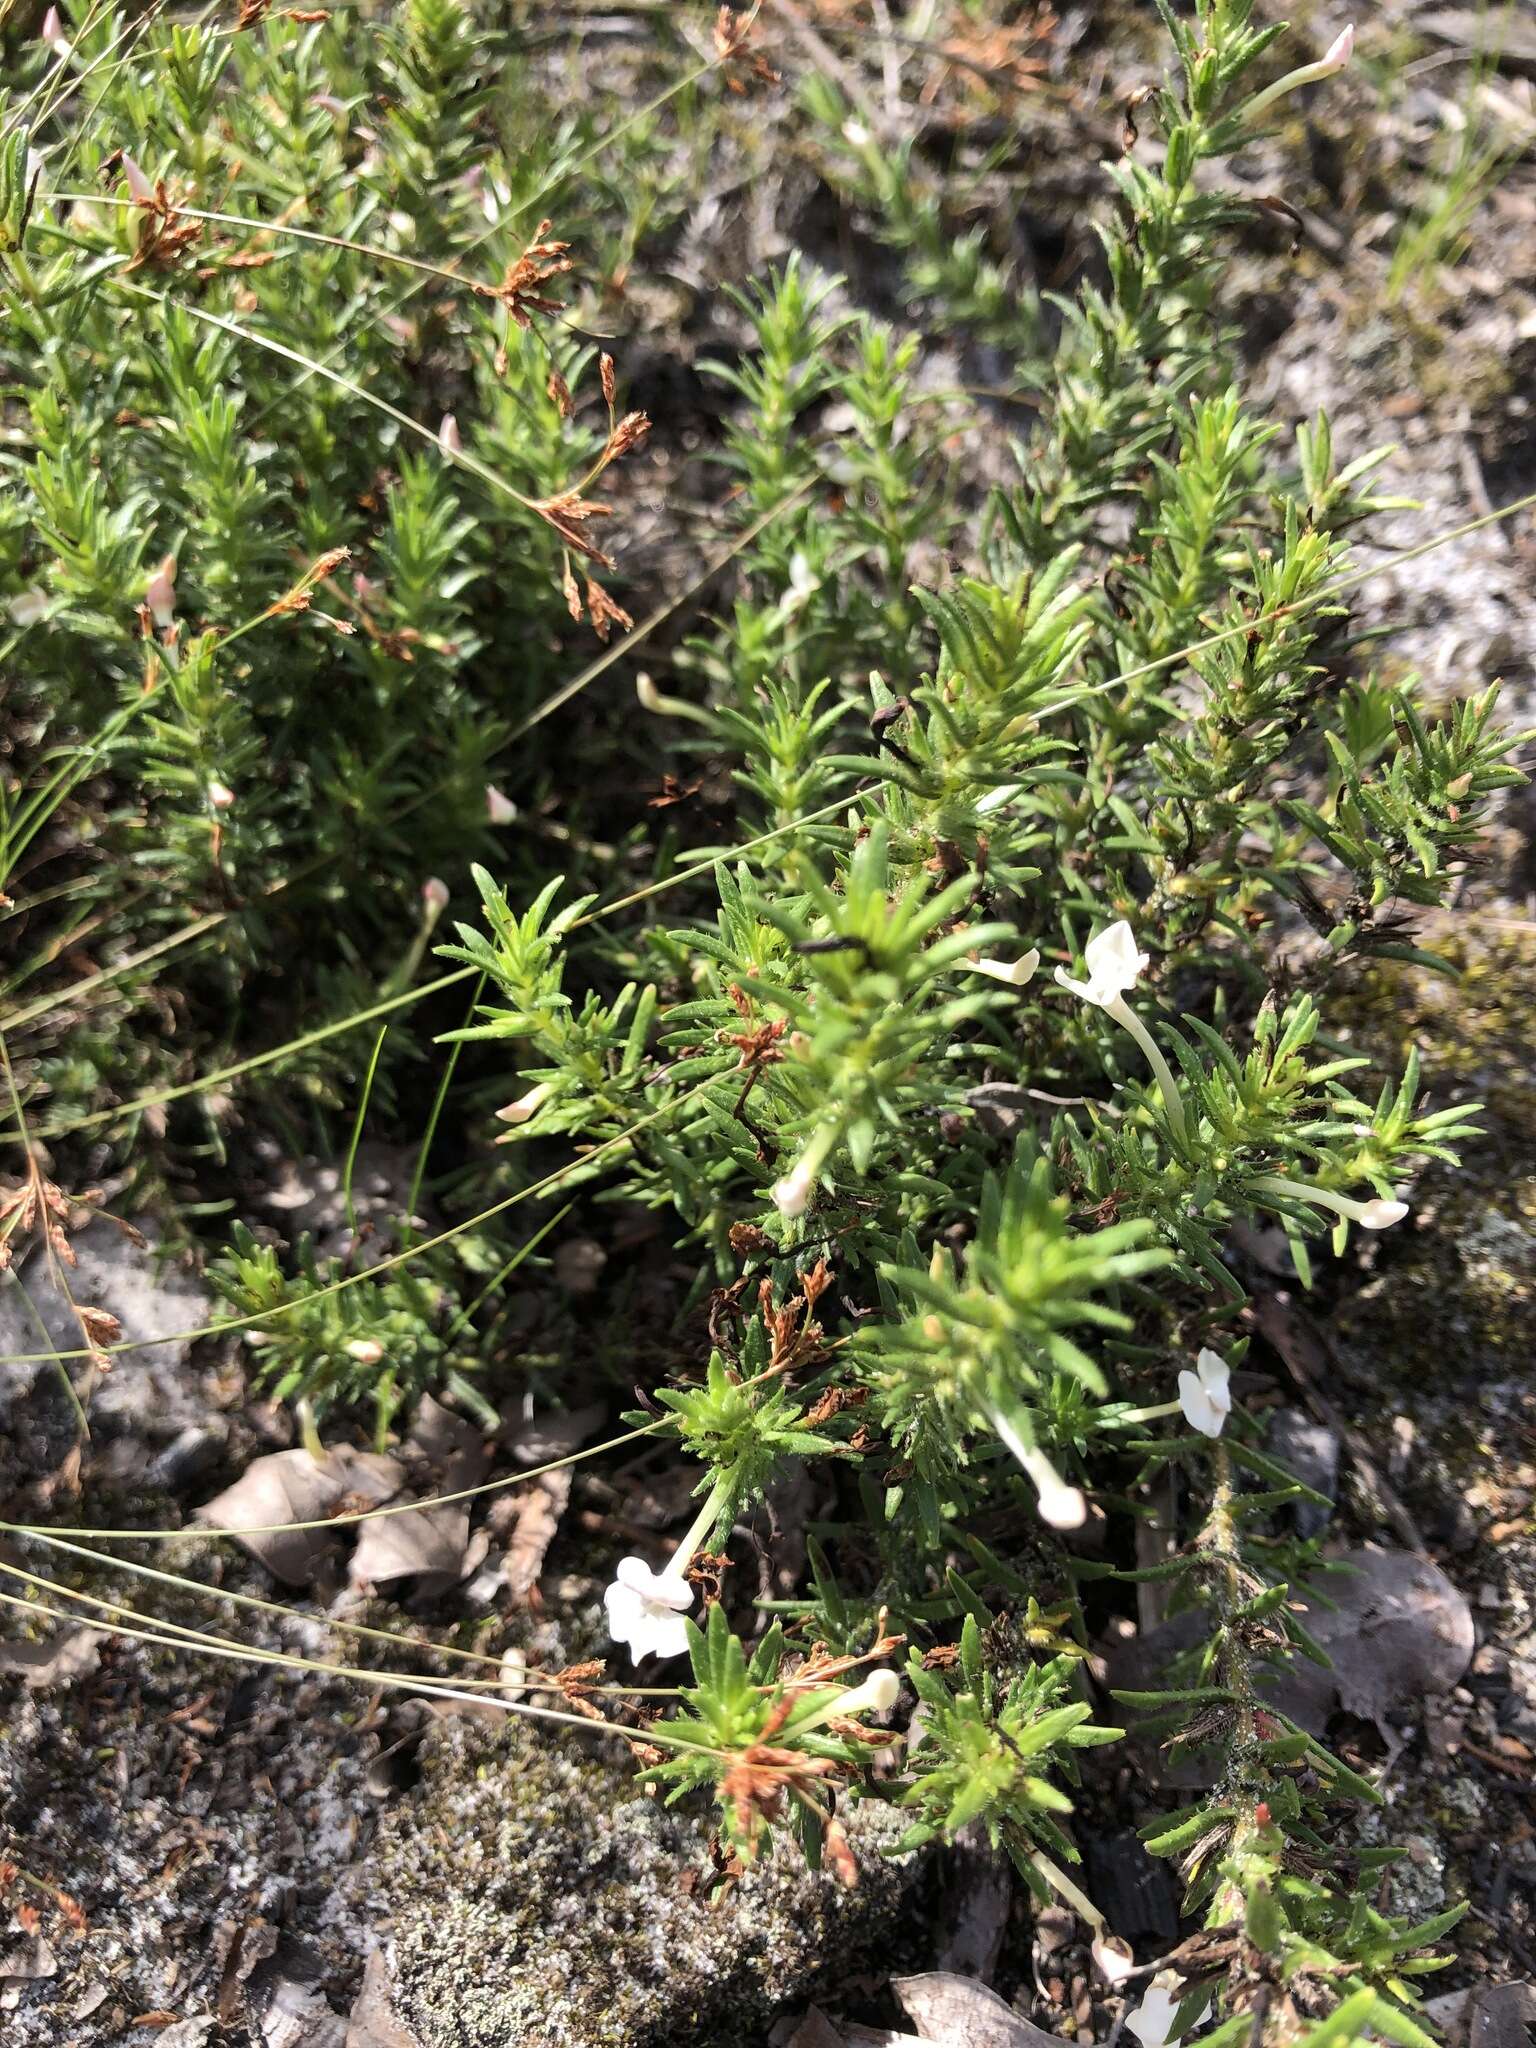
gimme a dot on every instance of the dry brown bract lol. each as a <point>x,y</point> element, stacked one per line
<point>165,234</point>
<point>521,289</point>
<point>732,32</point>
<point>36,1204</point>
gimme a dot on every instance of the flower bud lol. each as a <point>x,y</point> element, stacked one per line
<point>448,437</point>
<point>365,1351</point>
<point>526,1105</point>
<point>434,895</point>
<point>792,1194</point>
<point>160,590</point>
<point>138,184</point>
<point>499,809</point>
<point>221,796</point>
<point>1338,52</point>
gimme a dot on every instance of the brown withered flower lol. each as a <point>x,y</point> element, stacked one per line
<point>521,289</point>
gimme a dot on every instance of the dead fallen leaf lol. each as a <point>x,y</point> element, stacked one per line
<point>1399,1634</point>
<point>815,2030</point>
<point>68,1654</point>
<point>959,2013</point>
<point>1486,2016</point>
<point>533,1516</point>
<point>431,1545</point>
<point>292,1486</point>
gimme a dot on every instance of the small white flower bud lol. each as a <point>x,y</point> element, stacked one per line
<point>138,184</point>
<point>1381,1215</point>
<point>221,796</point>
<point>526,1105</point>
<point>1015,973</point>
<point>434,894</point>
<point>449,438</point>
<point>160,590</point>
<point>499,809</point>
<point>792,1194</point>
<point>365,1351</point>
<point>1338,52</point>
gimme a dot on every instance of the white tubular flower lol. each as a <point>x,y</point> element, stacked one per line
<point>1376,1214</point>
<point>877,1695</point>
<point>499,808</point>
<point>646,1609</point>
<point>1205,1394</point>
<point>1016,973</point>
<point>792,1194</point>
<point>160,590</point>
<point>448,437</point>
<point>52,32</point>
<point>1060,1506</point>
<point>527,1105</point>
<point>1334,58</point>
<point>1114,965</point>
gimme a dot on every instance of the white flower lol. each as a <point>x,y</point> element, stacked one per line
<point>434,895</point>
<point>646,1609</point>
<point>792,1194</point>
<point>448,436</point>
<point>1060,1506</point>
<point>526,1105</point>
<point>1334,58</point>
<point>499,808</point>
<point>877,1695</point>
<point>1379,1213</point>
<point>803,582</point>
<point>855,134</point>
<point>1016,973</point>
<point>1114,965</point>
<point>365,1350</point>
<point>1152,2019</point>
<point>1113,1957</point>
<point>1205,1395</point>
<point>221,796</point>
<point>52,30</point>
